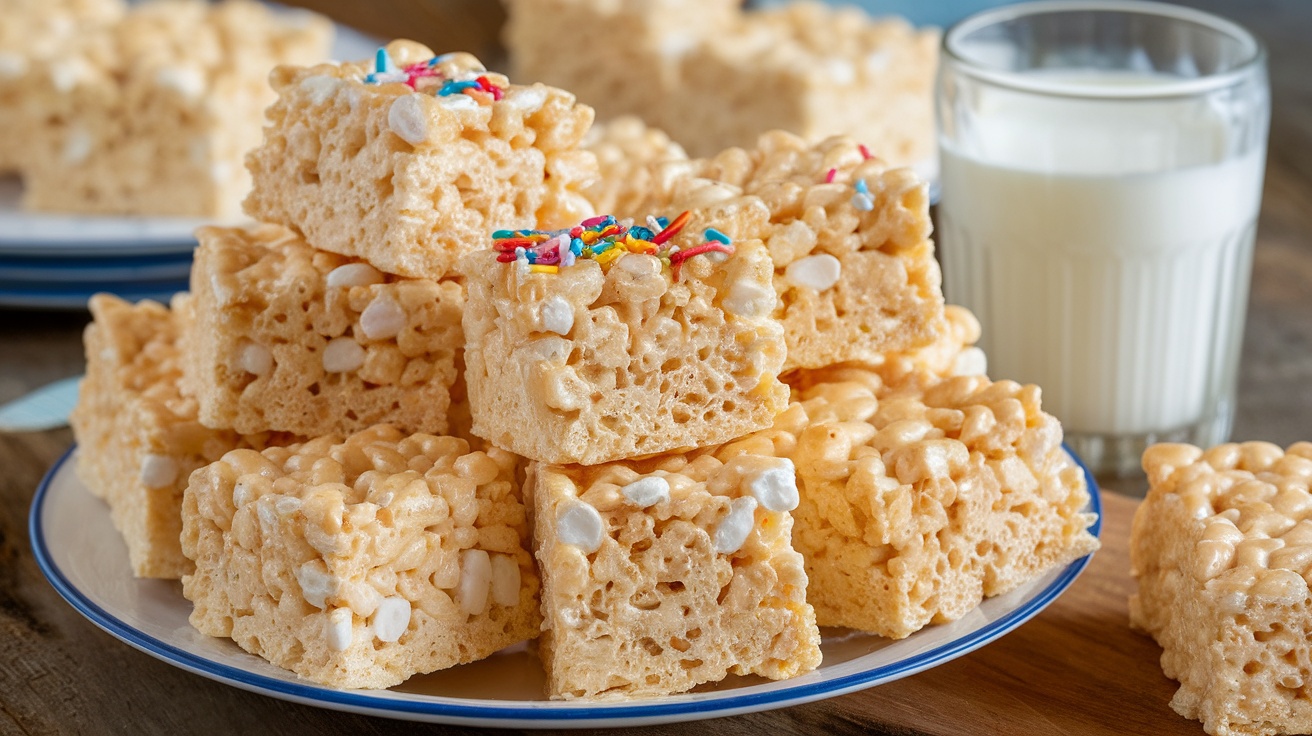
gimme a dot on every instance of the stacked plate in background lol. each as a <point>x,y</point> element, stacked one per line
<point>53,261</point>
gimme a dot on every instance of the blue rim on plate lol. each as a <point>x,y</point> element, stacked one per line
<point>559,715</point>
<point>75,271</point>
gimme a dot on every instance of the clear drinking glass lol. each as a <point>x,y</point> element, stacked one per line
<point>1101,176</point>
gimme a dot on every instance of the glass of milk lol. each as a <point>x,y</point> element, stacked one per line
<point>1101,175</point>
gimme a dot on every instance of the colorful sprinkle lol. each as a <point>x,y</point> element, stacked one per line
<point>865,152</point>
<point>861,187</point>
<point>713,234</point>
<point>425,76</point>
<point>604,239</point>
<point>829,178</point>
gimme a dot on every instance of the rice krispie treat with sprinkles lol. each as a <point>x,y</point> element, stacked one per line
<point>138,438</point>
<point>1222,551</point>
<point>614,339</point>
<point>849,237</point>
<point>299,340</point>
<point>661,574</point>
<point>916,503</point>
<point>152,114</point>
<point>33,31</point>
<point>409,160</point>
<point>357,563</point>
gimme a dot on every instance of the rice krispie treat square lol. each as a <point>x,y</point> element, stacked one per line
<point>628,153</point>
<point>917,503</point>
<point>627,59</point>
<point>849,236</point>
<point>713,76</point>
<point>1222,551</point>
<point>661,574</point>
<point>299,340</point>
<point>137,434</point>
<point>357,563</point>
<point>35,30</point>
<point>612,340</point>
<point>408,161</point>
<point>815,70</point>
<point>152,115</point>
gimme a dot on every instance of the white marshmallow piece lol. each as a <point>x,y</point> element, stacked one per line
<point>158,471</point>
<point>391,618</point>
<point>185,80</point>
<point>354,274</point>
<point>580,525</point>
<point>77,146</point>
<point>408,119</point>
<point>647,491</point>
<point>749,299</point>
<point>505,581</point>
<point>320,88</point>
<point>339,629</point>
<point>526,99</point>
<point>383,319</point>
<point>557,315</point>
<point>818,272</point>
<point>970,361</point>
<point>732,531</point>
<point>342,355</point>
<point>316,584</point>
<point>458,102</point>
<point>775,487</point>
<point>475,581</point>
<point>255,358</point>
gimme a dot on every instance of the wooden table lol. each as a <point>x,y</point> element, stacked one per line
<point>1075,669</point>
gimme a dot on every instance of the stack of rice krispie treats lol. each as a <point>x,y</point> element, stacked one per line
<point>715,76</point>
<point>147,110</point>
<point>482,375</point>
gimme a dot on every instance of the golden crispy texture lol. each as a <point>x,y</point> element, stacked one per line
<point>854,284</point>
<point>153,114</point>
<point>137,434</point>
<point>410,181</point>
<point>627,152</point>
<point>33,31</point>
<point>293,339</point>
<point>588,367</point>
<point>664,603</point>
<point>357,563</point>
<point>714,76</point>
<point>1222,551</point>
<point>918,502</point>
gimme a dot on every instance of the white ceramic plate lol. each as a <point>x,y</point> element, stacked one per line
<point>82,556</point>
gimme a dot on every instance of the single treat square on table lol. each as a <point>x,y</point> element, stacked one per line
<point>35,30</point>
<point>818,71</point>
<point>409,160</point>
<point>854,265</point>
<point>613,340</point>
<point>138,436</point>
<point>1221,548</point>
<point>152,114</point>
<point>665,573</point>
<point>918,502</point>
<point>357,563</point>
<point>294,339</point>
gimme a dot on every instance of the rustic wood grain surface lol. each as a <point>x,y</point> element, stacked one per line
<point>1076,669</point>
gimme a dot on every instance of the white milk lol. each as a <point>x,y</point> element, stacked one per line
<point>1118,285</point>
